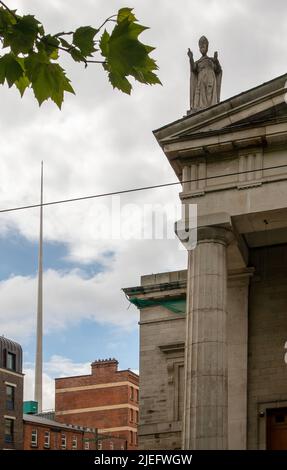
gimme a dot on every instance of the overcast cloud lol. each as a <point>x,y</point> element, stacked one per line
<point>102,141</point>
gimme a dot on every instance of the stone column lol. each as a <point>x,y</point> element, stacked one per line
<point>205,402</point>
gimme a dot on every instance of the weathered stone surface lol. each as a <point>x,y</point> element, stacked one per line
<point>206,398</point>
<point>235,155</point>
<point>205,78</point>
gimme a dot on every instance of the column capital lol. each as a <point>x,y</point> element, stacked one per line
<point>216,233</point>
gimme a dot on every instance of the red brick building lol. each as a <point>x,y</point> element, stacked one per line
<point>44,434</point>
<point>11,395</point>
<point>107,399</point>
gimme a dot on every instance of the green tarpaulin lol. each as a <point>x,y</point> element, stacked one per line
<point>176,306</point>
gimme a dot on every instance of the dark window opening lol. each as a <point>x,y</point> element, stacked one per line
<point>9,430</point>
<point>279,419</point>
<point>4,358</point>
<point>11,361</point>
<point>131,393</point>
<point>10,397</point>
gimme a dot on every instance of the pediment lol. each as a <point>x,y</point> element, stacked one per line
<point>260,106</point>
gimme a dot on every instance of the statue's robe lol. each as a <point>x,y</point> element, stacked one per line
<point>205,83</point>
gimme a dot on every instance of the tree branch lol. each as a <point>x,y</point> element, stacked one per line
<point>108,19</point>
<point>62,48</point>
<point>8,9</point>
<point>96,61</point>
<point>62,34</point>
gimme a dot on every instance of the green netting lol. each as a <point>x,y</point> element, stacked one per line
<point>176,306</point>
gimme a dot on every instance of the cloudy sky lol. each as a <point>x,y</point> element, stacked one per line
<point>102,141</point>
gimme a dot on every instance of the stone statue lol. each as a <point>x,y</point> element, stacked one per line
<point>205,78</point>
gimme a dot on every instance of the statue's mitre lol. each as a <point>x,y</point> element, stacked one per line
<point>203,40</point>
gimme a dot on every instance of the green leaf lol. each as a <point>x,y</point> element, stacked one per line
<point>48,79</point>
<point>65,43</point>
<point>104,43</point>
<point>32,58</point>
<point>6,18</point>
<point>149,48</point>
<point>2,70</point>
<point>124,13</point>
<point>126,56</point>
<point>55,54</point>
<point>123,50</point>
<point>120,82</point>
<point>21,62</point>
<point>41,29</point>
<point>77,55</point>
<point>51,45</point>
<point>144,76</point>
<point>62,84</point>
<point>22,84</point>
<point>10,69</point>
<point>127,29</point>
<point>22,35</point>
<point>83,38</point>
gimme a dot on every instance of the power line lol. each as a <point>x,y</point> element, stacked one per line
<point>143,188</point>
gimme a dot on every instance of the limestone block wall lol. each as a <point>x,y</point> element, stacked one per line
<point>267,374</point>
<point>162,337</point>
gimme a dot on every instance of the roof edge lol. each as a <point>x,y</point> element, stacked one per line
<point>222,103</point>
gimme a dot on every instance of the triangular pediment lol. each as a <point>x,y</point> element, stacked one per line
<point>258,106</point>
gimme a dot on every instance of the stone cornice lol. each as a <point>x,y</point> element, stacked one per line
<point>172,348</point>
<point>224,110</point>
<point>177,289</point>
<point>161,290</point>
<point>254,119</point>
<point>231,141</point>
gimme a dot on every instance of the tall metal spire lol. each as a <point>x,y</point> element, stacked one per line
<point>39,345</point>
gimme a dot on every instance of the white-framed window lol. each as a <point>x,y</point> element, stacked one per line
<point>34,438</point>
<point>87,445</point>
<point>74,442</point>
<point>47,439</point>
<point>63,441</point>
<point>100,445</point>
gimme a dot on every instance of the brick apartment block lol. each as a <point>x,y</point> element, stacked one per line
<point>41,433</point>
<point>107,399</point>
<point>11,395</point>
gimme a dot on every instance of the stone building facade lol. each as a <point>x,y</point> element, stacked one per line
<point>107,400</point>
<point>11,395</point>
<point>221,379</point>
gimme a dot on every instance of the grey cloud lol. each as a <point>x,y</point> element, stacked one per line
<point>102,140</point>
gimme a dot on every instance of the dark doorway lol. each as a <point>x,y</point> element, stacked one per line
<point>277,429</point>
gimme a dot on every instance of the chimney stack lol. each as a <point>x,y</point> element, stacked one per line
<point>104,366</point>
